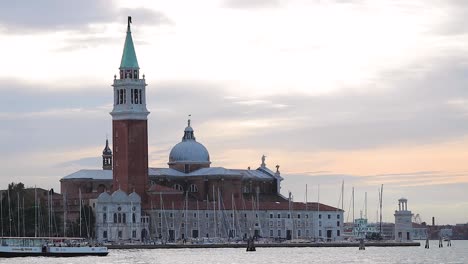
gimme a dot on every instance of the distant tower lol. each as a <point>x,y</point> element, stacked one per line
<point>107,157</point>
<point>129,124</point>
<point>403,223</point>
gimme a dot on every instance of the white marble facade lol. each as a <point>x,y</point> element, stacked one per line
<point>119,218</point>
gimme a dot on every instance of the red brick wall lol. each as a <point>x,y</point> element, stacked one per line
<point>130,143</point>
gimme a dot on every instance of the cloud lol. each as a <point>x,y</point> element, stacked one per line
<point>25,16</point>
<point>252,4</point>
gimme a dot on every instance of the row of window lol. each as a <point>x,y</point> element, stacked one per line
<point>119,234</point>
<point>306,216</point>
<point>136,96</point>
<point>299,233</point>
<point>119,218</point>
<point>192,187</point>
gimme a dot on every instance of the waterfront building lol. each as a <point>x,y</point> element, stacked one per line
<point>189,198</point>
<point>403,223</point>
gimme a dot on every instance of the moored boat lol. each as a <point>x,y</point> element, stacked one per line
<point>49,247</point>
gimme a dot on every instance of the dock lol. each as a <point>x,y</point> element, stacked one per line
<point>266,245</point>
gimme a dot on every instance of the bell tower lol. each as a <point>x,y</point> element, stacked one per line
<point>129,124</point>
<point>107,157</point>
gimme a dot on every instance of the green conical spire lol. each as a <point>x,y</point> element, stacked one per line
<point>129,59</point>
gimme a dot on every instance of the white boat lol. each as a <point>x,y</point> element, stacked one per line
<point>48,247</point>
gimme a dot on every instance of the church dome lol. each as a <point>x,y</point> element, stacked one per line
<point>189,151</point>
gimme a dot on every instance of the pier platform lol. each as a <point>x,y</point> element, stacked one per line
<point>259,245</point>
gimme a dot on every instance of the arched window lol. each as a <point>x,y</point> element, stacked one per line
<point>178,187</point>
<point>120,218</point>
<point>104,218</point>
<point>115,217</point>
<point>133,218</point>
<point>104,234</point>
<point>124,220</point>
<point>193,188</point>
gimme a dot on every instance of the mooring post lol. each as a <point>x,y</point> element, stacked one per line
<point>362,246</point>
<point>449,242</point>
<point>440,242</point>
<point>427,243</point>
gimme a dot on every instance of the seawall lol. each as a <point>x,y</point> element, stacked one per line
<point>270,245</point>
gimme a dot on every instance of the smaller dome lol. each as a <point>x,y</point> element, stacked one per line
<point>104,198</point>
<point>134,197</point>
<point>119,196</point>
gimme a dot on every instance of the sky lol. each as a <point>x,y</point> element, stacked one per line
<point>365,92</point>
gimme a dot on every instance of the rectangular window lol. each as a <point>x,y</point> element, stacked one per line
<point>124,96</point>
<point>279,223</point>
<point>299,233</point>
<point>320,233</point>
<point>320,216</point>
<point>289,216</point>
<point>329,216</point>
<point>120,234</point>
<point>134,233</point>
<point>140,98</point>
<point>279,232</point>
<point>194,215</point>
<point>298,215</point>
<point>271,223</point>
<point>279,215</point>
<point>338,216</point>
<point>271,232</point>
<point>159,215</point>
<point>337,223</point>
<point>159,224</point>
<point>338,233</point>
<point>170,215</point>
<point>206,215</point>
<point>320,223</point>
<point>120,96</point>
<point>271,215</point>
<point>132,92</point>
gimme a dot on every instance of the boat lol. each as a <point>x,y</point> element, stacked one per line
<point>49,247</point>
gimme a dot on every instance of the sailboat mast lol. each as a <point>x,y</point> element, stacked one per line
<point>365,204</point>
<point>381,197</point>
<point>9,210</point>
<point>24,227</point>
<point>18,212</point>
<point>1,209</point>
<point>318,210</point>
<point>306,198</point>
<point>353,206</point>
<point>79,192</point>
<point>342,195</point>
<point>35,212</point>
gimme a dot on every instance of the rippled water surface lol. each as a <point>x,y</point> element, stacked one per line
<point>458,253</point>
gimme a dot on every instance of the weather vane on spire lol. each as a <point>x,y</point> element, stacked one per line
<point>129,22</point>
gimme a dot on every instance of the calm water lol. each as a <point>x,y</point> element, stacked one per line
<point>458,253</point>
